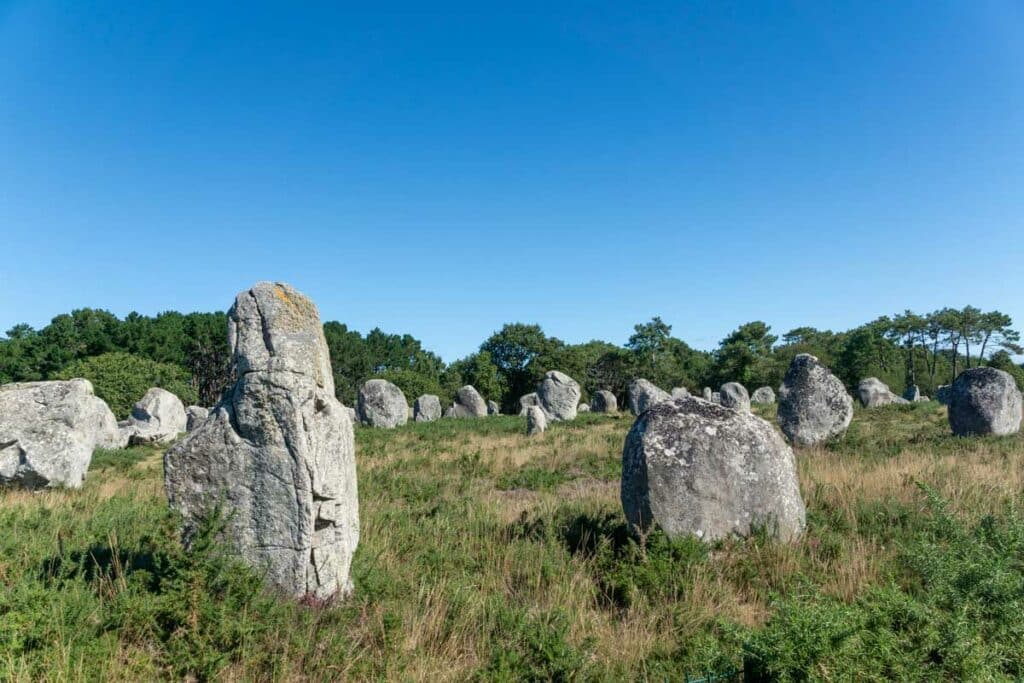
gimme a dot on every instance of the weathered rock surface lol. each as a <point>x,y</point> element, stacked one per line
<point>604,401</point>
<point>493,408</point>
<point>696,468</point>
<point>873,392</point>
<point>763,395</point>
<point>277,453</point>
<point>716,397</point>
<point>734,395</point>
<point>469,403</point>
<point>984,401</point>
<point>382,404</point>
<point>813,403</point>
<point>528,400</point>
<point>427,408</point>
<point>352,415</point>
<point>680,392</point>
<point>49,430</point>
<point>559,395</point>
<point>944,393</point>
<point>644,394</point>
<point>157,418</point>
<point>194,416</point>
<point>536,421</point>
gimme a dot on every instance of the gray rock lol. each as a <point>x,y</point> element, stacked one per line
<point>382,404</point>
<point>912,394</point>
<point>763,395</point>
<point>48,431</point>
<point>277,454</point>
<point>536,421</point>
<point>873,392</point>
<point>734,395</point>
<point>644,394</point>
<point>984,401</point>
<point>449,411</point>
<point>158,418</point>
<point>944,394</point>
<point>583,408</point>
<point>427,408</point>
<point>604,401</point>
<point>528,400</point>
<point>493,408</point>
<point>469,403</point>
<point>707,394</point>
<point>716,397</point>
<point>194,416</point>
<point>695,468</point>
<point>559,396</point>
<point>813,404</point>
<point>679,392</point>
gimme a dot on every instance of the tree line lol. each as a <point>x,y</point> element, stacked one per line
<point>188,354</point>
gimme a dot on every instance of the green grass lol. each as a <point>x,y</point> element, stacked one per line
<point>486,555</point>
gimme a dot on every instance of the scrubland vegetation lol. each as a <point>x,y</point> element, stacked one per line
<point>486,555</point>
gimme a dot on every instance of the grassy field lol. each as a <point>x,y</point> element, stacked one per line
<point>486,555</point>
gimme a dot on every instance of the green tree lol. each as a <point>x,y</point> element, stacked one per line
<point>121,379</point>
<point>512,350</point>
<point>745,356</point>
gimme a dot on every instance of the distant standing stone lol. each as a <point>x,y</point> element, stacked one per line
<point>873,392</point>
<point>984,401</point>
<point>48,431</point>
<point>158,418</point>
<point>716,397</point>
<point>734,395</point>
<point>813,404</point>
<point>763,396</point>
<point>536,422</point>
<point>643,394</point>
<point>604,401</point>
<point>469,403</point>
<point>707,394</point>
<point>695,468</point>
<point>194,416</point>
<point>559,396</point>
<point>583,408</point>
<point>427,408</point>
<point>679,392</point>
<point>382,404</point>
<point>493,408</point>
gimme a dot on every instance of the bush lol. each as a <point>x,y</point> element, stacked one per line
<point>121,379</point>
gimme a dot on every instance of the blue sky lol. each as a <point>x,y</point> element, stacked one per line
<point>584,166</point>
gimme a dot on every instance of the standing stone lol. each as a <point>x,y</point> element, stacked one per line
<point>813,403</point>
<point>449,411</point>
<point>493,408</point>
<point>679,392</point>
<point>707,394</point>
<point>604,401</point>
<point>194,416</point>
<point>469,403</point>
<point>695,468</point>
<point>734,395</point>
<point>583,408</point>
<point>644,394</point>
<point>763,395</point>
<point>912,394</point>
<point>944,394</point>
<point>528,400</point>
<point>716,397</point>
<point>984,401</point>
<point>157,418</point>
<point>49,430</point>
<point>427,408</point>
<point>382,404</point>
<point>873,392</point>
<point>277,454</point>
<point>559,395</point>
<point>536,421</point>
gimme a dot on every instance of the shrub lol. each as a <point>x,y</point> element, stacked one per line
<point>121,379</point>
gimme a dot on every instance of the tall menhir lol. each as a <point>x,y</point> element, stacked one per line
<point>277,455</point>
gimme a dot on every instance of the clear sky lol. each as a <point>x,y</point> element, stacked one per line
<point>580,165</point>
